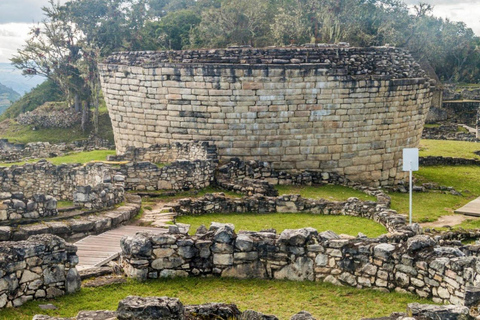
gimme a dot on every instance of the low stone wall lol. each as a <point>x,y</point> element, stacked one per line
<point>16,206</point>
<point>447,161</point>
<point>166,153</point>
<point>58,181</point>
<point>417,265</point>
<point>218,203</point>
<point>237,170</point>
<point>40,150</point>
<point>142,308</point>
<point>41,267</point>
<point>447,132</point>
<point>64,118</point>
<point>76,228</point>
<point>179,175</point>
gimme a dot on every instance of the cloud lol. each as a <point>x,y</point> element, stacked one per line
<point>23,11</point>
<point>459,10</point>
<point>12,37</point>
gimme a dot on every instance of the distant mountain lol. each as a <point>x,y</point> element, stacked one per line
<point>7,97</point>
<point>13,78</point>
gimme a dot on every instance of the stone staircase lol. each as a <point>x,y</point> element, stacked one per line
<point>161,215</point>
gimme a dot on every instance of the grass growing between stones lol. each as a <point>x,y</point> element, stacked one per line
<point>446,148</point>
<point>80,157</point>
<point>429,206</point>
<point>328,192</point>
<point>281,221</point>
<point>282,298</point>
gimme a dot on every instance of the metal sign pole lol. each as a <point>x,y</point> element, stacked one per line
<point>410,163</point>
<point>410,200</point>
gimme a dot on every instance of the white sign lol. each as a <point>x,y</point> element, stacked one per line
<point>410,159</point>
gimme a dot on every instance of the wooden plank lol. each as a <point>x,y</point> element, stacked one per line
<point>95,251</point>
<point>471,209</point>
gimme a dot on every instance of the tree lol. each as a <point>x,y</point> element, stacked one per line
<point>241,22</point>
<point>53,51</point>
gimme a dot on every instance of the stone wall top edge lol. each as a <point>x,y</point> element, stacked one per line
<point>328,47</point>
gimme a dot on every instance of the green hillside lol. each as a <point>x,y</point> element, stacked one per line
<point>7,97</point>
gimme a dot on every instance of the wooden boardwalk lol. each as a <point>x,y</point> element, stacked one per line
<point>471,209</point>
<point>95,251</point>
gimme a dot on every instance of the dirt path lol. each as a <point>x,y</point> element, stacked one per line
<point>448,221</point>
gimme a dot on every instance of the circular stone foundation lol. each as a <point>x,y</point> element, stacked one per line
<point>350,111</point>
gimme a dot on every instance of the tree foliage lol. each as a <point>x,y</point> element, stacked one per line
<point>75,36</point>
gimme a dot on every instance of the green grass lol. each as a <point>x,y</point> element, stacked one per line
<point>447,148</point>
<point>281,221</point>
<point>16,133</point>
<point>80,157</point>
<point>64,204</point>
<point>429,206</point>
<point>329,192</point>
<point>282,298</point>
<point>431,125</point>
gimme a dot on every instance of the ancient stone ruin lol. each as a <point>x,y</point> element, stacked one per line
<point>348,111</point>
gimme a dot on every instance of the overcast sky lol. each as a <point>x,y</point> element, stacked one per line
<point>17,16</point>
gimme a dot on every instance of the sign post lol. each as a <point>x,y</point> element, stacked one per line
<point>410,163</point>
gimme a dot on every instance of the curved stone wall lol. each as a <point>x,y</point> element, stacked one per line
<point>348,111</point>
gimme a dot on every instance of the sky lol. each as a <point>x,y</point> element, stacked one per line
<point>17,16</point>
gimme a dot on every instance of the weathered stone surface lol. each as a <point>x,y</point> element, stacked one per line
<point>247,270</point>
<point>420,242</point>
<point>300,270</point>
<point>150,308</point>
<point>448,312</point>
<point>302,315</point>
<point>212,311</point>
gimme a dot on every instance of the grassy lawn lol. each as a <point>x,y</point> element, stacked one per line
<point>429,206</point>
<point>329,192</point>
<point>281,221</point>
<point>446,148</point>
<point>80,157</point>
<point>282,298</point>
<point>16,133</point>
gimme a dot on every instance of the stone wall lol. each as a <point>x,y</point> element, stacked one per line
<point>447,161</point>
<point>345,110</point>
<point>448,132</point>
<point>142,308</point>
<point>167,153</point>
<point>76,228</point>
<point>101,196</point>
<point>179,175</point>
<point>40,150</point>
<point>64,118</point>
<point>41,267</point>
<point>57,181</point>
<point>418,265</point>
<point>218,203</point>
<point>16,206</point>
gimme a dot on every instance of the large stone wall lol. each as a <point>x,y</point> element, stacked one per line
<point>419,265</point>
<point>41,267</point>
<point>345,110</point>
